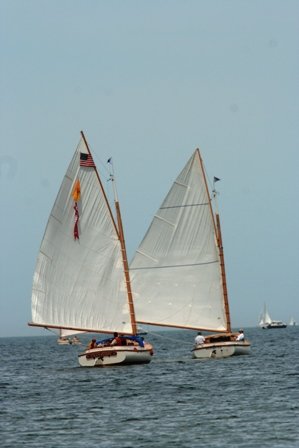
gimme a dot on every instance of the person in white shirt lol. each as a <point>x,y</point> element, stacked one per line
<point>199,339</point>
<point>240,336</point>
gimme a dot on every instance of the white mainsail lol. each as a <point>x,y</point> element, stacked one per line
<point>176,272</point>
<point>265,318</point>
<point>292,322</point>
<point>80,283</point>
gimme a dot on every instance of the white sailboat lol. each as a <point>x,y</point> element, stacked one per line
<point>292,323</point>
<point>68,337</point>
<point>81,280</point>
<point>266,322</point>
<point>178,274</point>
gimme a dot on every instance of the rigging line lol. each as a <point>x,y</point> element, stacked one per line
<point>103,165</point>
<point>212,191</point>
<point>155,333</point>
<point>174,266</point>
<point>183,206</point>
<point>51,330</point>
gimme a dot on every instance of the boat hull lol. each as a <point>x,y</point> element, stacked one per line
<point>273,325</point>
<point>67,342</point>
<point>61,342</point>
<point>111,356</point>
<point>221,349</point>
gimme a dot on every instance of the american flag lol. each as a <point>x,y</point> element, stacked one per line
<point>86,160</point>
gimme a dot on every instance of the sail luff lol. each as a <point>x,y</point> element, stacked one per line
<point>126,268</point>
<point>120,233</point>
<point>223,274</point>
<point>218,236</point>
<point>123,250</point>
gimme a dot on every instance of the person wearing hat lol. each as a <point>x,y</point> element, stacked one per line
<point>240,336</point>
<point>199,339</point>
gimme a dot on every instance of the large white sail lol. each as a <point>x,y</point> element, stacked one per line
<point>79,283</point>
<point>176,273</point>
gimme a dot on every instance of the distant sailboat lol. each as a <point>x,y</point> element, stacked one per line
<point>292,322</point>
<point>267,322</point>
<point>68,337</point>
<point>81,280</point>
<point>178,274</point>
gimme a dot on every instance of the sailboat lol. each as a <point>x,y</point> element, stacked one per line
<point>178,273</point>
<point>67,337</point>
<point>81,280</point>
<point>292,323</point>
<point>266,322</point>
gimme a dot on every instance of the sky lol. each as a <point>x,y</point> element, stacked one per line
<point>148,82</point>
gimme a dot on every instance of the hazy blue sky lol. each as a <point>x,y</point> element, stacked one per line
<point>148,82</point>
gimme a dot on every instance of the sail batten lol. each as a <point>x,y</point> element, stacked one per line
<point>178,282</point>
<point>173,266</point>
<point>184,206</point>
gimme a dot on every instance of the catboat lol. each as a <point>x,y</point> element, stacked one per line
<point>81,281</point>
<point>266,322</point>
<point>178,273</point>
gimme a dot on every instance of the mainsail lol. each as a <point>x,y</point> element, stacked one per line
<point>265,318</point>
<point>176,271</point>
<point>79,281</point>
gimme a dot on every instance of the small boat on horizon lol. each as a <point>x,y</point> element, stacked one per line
<point>266,322</point>
<point>292,322</point>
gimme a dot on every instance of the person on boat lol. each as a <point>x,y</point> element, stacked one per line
<point>118,340</point>
<point>199,339</point>
<point>92,344</point>
<point>240,337</point>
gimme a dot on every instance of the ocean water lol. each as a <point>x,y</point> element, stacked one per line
<point>48,401</point>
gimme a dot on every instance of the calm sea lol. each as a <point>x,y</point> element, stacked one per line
<point>47,400</point>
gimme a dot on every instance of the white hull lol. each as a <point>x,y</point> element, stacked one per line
<point>61,342</point>
<point>67,342</point>
<point>274,324</point>
<point>110,356</point>
<point>221,349</point>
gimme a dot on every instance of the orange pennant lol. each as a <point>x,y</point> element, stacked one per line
<point>77,191</point>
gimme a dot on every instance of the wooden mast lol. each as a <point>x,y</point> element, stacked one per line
<point>223,275</point>
<point>120,233</point>
<point>126,268</point>
<point>124,255</point>
<point>220,247</point>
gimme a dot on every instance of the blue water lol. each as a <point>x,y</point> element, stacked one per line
<point>47,400</point>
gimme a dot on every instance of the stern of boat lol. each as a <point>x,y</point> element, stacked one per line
<point>116,355</point>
